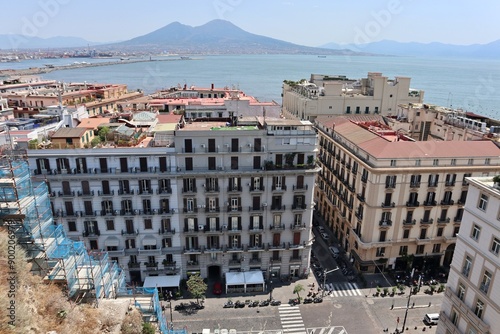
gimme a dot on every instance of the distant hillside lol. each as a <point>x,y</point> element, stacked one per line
<point>490,50</point>
<point>16,42</point>
<point>216,37</point>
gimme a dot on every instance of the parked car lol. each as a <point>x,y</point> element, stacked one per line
<point>321,229</point>
<point>217,290</point>
<point>335,251</point>
<point>325,236</point>
<point>431,318</point>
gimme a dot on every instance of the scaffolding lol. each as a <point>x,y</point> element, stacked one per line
<point>25,208</point>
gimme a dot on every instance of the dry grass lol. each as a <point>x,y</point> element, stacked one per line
<point>40,307</point>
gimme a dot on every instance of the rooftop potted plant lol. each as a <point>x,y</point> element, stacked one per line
<point>496,181</point>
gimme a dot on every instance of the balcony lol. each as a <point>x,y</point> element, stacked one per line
<point>277,207</point>
<point>151,264</point>
<point>135,265</point>
<point>164,191</point>
<point>192,264</point>
<point>447,202</point>
<point>66,193</point>
<point>261,188</point>
<point>107,193</point>
<point>299,207</point>
<point>427,221</point>
<point>89,213</point>
<point>146,191</point>
<point>364,178</point>
<point>413,204</point>
<point>409,222</point>
<point>91,233</point>
<point>360,197</point>
<point>388,204</point>
<point>162,231</point>
<point>255,261</point>
<point>234,189</point>
<point>276,246</point>
<point>449,183</point>
<point>276,260</point>
<point>85,193</point>
<point>432,184</point>
<point>115,253</point>
<point>233,208</point>
<point>256,229</point>
<point>212,209</point>
<point>150,252</point>
<point>296,259</point>
<point>466,312</point>
<point>192,250</point>
<point>190,210</point>
<point>279,188</point>
<point>234,229</point>
<point>256,208</point>
<point>189,190</point>
<point>414,184</point>
<point>233,262</point>
<point>300,187</point>
<point>443,220</point>
<point>457,219</point>
<point>385,223</point>
<point>297,227</point>
<point>130,232</point>
<point>277,227</point>
<point>125,191</point>
<point>212,189</point>
<point>430,203</point>
<point>390,185</point>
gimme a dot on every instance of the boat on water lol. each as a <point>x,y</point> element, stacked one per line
<point>185,58</point>
<point>124,58</point>
<point>321,56</point>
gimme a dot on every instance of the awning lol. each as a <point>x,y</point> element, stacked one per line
<point>112,242</point>
<point>149,240</point>
<point>254,277</point>
<point>170,281</point>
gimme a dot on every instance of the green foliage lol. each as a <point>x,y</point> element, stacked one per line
<point>103,132</point>
<point>297,289</point>
<point>147,328</point>
<point>196,286</point>
<point>33,144</point>
<point>95,141</point>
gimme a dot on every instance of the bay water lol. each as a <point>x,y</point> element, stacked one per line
<point>469,84</point>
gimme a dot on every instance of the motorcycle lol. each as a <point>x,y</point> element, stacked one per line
<point>308,300</point>
<point>293,301</point>
<point>264,303</point>
<point>180,307</point>
<point>318,300</point>
<point>275,302</point>
<point>228,304</point>
<point>254,304</point>
<point>239,304</point>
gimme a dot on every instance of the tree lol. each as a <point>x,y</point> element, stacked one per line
<point>297,289</point>
<point>103,133</point>
<point>196,287</point>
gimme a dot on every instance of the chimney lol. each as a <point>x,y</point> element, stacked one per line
<point>212,87</point>
<point>185,86</point>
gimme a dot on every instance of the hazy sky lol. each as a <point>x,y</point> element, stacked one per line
<point>305,22</point>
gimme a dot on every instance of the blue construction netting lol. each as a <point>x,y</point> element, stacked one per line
<point>164,326</point>
<point>67,259</point>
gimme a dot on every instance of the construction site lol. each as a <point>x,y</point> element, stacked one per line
<point>84,276</point>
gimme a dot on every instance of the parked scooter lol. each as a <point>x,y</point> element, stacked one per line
<point>275,302</point>
<point>264,303</point>
<point>318,300</point>
<point>308,300</point>
<point>228,304</point>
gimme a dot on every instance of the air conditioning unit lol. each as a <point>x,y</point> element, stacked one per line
<point>220,168</point>
<point>381,254</point>
<point>224,227</point>
<point>202,145</point>
<point>249,145</point>
<point>201,227</point>
<point>264,204</point>
<point>78,214</point>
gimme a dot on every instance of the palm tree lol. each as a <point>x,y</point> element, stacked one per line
<point>298,288</point>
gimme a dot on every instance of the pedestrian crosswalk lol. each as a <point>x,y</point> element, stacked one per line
<point>327,330</point>
<point>291,319</point>
<point>345,289</point>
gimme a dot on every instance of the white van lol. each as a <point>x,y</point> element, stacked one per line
<point>335,251</point>
<point>431,318</point>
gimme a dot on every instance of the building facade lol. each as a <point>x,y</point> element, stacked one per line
<point>395,203</point>
<point>471,303</point>
<point>325,95</point>
<point>221,198</point>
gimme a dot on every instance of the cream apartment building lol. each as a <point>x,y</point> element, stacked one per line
<point>220,197</point>
<point>472,298</point>
<point>324,95</point>
<point>386,196</point>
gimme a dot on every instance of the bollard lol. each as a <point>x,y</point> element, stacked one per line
<point>429,304</point>
<point>413,305</point>
<point>392,306</point>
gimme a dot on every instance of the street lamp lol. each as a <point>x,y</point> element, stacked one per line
<point>406,312</point>
<point>325,272</point>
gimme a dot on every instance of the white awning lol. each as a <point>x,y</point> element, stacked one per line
<point>254,277</point>
<point>235,278</point>
<point>149,240</point>
<point>170,281</point>
<point>112,242</point>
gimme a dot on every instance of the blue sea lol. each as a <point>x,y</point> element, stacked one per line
<point>470,84</point>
